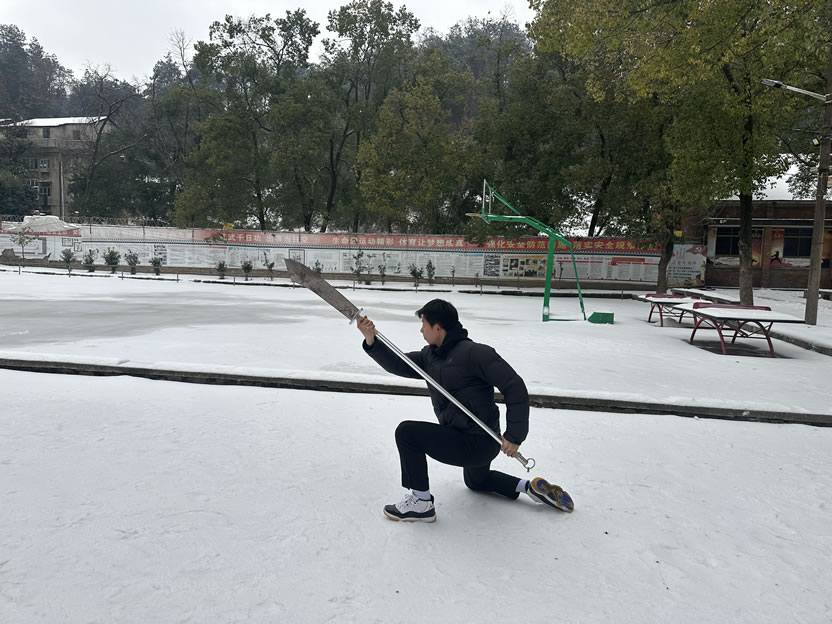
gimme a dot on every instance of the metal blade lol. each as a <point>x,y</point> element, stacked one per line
<point>305,276</point>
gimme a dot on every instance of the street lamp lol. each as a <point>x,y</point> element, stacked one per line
<point>779,85</point>
<point>811,314</point>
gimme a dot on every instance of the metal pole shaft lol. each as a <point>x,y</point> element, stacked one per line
<point>528,464</point>
<point>811,315</point>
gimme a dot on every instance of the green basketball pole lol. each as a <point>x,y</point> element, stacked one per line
<point>488,193</point>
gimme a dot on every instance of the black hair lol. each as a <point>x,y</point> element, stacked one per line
<point>439,311</point>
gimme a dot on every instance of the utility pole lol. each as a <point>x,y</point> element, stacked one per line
<point>815,261</point>
<point>812,288</point>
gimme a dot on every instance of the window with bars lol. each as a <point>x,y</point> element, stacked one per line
<point>797,242</point>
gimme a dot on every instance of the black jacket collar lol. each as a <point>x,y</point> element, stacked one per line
<point>455,335</point>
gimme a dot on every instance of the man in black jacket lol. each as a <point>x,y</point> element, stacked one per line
<point>469,371</point>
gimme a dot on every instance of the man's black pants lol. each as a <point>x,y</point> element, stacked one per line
<point>473,452</point>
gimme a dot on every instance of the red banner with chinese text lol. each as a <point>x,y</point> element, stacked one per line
<point>427,241</point>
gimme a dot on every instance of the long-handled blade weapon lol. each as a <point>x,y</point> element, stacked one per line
<point>305,276</point>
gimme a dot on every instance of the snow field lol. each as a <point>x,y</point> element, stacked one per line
<point>132,500</point>
<point>129,500</point>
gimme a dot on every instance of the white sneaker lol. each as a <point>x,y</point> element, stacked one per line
<point>411,509</point>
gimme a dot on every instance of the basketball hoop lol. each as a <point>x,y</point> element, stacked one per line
<point>488,197</point>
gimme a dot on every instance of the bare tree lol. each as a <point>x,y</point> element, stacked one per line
<point>23,238</point>
<point>108,98</point>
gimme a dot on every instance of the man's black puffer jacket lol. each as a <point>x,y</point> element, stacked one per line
<point>469,371</point>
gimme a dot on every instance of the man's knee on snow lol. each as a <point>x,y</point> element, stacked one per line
<point>476,482</point>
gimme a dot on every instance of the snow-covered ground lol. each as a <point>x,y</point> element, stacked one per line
<point>129,500</point>
<point>285,331</point>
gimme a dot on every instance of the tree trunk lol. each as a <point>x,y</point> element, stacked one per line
<point>746,283</point>
<point>334,164</point>
<point>258,187</point>
<point>664,262</point>
<point>307,223</point>
<point>598,205</point>
<point>306,205</point>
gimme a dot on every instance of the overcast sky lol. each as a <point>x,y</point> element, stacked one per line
<point>132,35</point>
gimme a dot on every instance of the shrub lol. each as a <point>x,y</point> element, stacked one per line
<point>89,260</point>
<point>431,271</point>
<point>318,268</point>
<point>357,265</point>
<point>368,268</point>
<point>156,263</point>
<point>221,269</point>
<point>111,259</point>
<point>246,266</point>
<point>382,271</point>
<point>269,266</point>
<point>132,260</point>
<point>68,257</point>
<point>416,272</point>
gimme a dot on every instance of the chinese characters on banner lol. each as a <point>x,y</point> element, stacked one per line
<point>687,267</point>
<point>438,242</point>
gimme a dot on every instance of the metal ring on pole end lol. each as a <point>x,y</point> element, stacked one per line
<point>530,464</point>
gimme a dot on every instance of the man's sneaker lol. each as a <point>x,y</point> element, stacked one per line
<point>553,495</point>
<point>411,509</point>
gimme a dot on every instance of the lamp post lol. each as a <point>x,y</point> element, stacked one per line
<point>811,314</point>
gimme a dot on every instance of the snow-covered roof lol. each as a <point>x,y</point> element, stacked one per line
<point>52,122</point>
<point>42,224</point>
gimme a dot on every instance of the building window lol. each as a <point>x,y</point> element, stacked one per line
<point>45,133</point>
<point>727,241</point>
<point>45,189</point>
<point>44,164</point>
<point>797,242</point>
<point>76,134</point>
<point>31,164</point>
